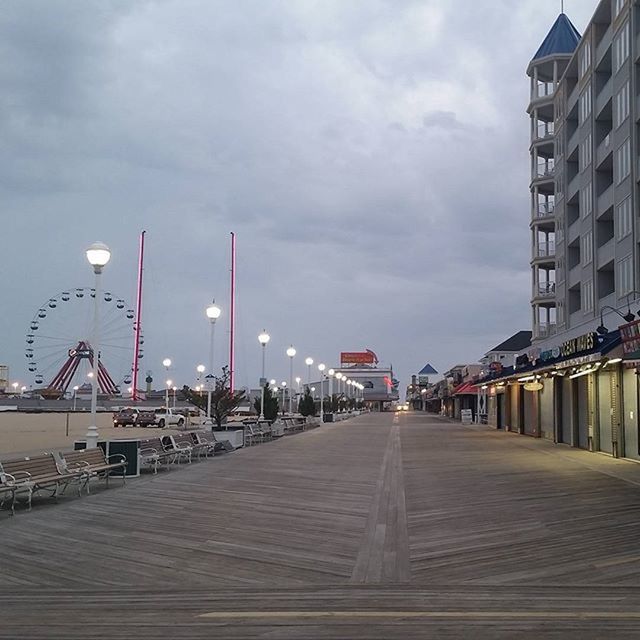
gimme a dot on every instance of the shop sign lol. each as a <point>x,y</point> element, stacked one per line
<point>577,345</point>
<point>358,357</point>
<point>630,334</point>
<point>550,354</point>
<point>533,386</point>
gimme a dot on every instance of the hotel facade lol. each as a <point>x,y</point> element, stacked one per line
<point>578,383</point>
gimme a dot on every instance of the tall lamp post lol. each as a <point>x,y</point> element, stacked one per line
<point>263,339</point>
<point>75,391</point>
<point>166,363</point>
<point>213,312</point>
<point>298,380</point>
<point>98,255</point>
<point>200,369</point>
<point>331,373</point>
<point>291,352</point>
<point>284,396</point>
<point>309,362</point>
<point>321,368</point>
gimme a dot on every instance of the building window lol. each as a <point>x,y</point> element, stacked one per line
<point>586,252</point>
<point>585,58</point>
<point>625,276</point>
<point>621,47</point>
<point>624,218</point>
<point>587,296</point>
<point>618,6</point>
<point>621,112</point>
<point>586,201</point>
<point>623,161</point>
<point>585,104</point>
<point>585,152</point>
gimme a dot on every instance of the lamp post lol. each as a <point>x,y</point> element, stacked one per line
<point>166,363</point>
<point>284,397</point>
<point>321,368</point>
<point>309,362</point>
<point>339,379</point>
<point>263,339</point>
<point>331,373</point>
<point>15,386</point>
<point>166,394</point>
<point>213,312</point>
<point>174,396</point>
<point>291,352</point>
<point>98,255</point>
<point>75,390</point>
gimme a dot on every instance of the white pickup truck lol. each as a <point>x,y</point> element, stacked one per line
<point>166,417</point>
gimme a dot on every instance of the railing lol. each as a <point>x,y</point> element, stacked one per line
<point>545,330</point>
<point>545,209</point>
<point>545,169</point>
<point>546,249</point>
<point>546,290</point>
<point>544,89</point>
<point>545,130</point>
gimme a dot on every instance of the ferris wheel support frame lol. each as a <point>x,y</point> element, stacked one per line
<point>62,379</point>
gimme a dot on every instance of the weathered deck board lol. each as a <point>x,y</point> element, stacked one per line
<point>410,527</point>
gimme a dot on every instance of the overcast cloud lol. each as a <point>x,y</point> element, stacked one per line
<point>371,156</point>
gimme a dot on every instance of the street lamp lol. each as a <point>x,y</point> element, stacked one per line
<point>291,352</point>
<point>263,339</point>
<point>284,400</point>
<point>75,390</point>
<point>213,312</point>
<point>200,369</point>
<point>309,362</point>
<point>15,386</point>
<point>174,396</point>
<point>166,363</point>
<point>98,255</point>
<point>321,368</point>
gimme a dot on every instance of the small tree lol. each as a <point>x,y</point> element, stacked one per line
<point>223,400</point>
<point>307,405</point>
<point>271,406</point>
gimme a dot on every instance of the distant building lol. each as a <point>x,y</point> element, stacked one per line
<point>506,352</point>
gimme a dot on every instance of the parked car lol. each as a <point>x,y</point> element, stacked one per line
<point>165,417</point>
<point>134,417</point>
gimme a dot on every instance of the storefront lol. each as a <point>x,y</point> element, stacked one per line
<point>572,394</point>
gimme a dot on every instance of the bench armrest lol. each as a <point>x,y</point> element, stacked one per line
<point>15,475</point>
<point>123,459</point>
<point>148,450</point>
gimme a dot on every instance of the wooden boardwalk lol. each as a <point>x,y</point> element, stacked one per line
<point>385,526</point>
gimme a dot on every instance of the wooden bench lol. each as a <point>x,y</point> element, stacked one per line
<point>252,433</point>
<point>264,426</point>
<point>153,453</point>
<point>40,473</point>
<point>94,463</point>
<point>7,490</point>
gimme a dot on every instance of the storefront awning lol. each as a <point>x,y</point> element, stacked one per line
<point>466,388</point>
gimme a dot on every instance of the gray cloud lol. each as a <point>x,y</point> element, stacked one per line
<point>370,155</point>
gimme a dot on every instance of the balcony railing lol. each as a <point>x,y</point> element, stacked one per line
<point>545,130</point>
<point>545,169</point>
<point>544,89</point>
<point>545,330</point>
<point>546,290</point>
<point>546,249</point>
<point>545,209</point>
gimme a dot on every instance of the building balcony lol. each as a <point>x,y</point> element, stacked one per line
<point>604,150</point>
<point>544,294</point>
<point>545,251</point>
<point>545,330</point>
<point>544,131</point>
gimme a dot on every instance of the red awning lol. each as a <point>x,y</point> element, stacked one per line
<point>466,388</point>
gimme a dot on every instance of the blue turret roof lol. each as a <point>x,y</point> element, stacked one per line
<point>427,370</point>
<point>562,38</point>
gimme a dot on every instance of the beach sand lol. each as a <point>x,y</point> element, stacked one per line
<point>31,433</point>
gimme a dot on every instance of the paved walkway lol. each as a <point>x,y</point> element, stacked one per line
<point>381,527</point>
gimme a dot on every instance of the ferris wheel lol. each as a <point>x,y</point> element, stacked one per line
<point>58,344</point>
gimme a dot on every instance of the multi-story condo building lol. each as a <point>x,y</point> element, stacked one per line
<point>579,383</point>
<point>584,157</point>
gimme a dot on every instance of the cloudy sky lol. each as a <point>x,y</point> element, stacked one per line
<point>370,155</point>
